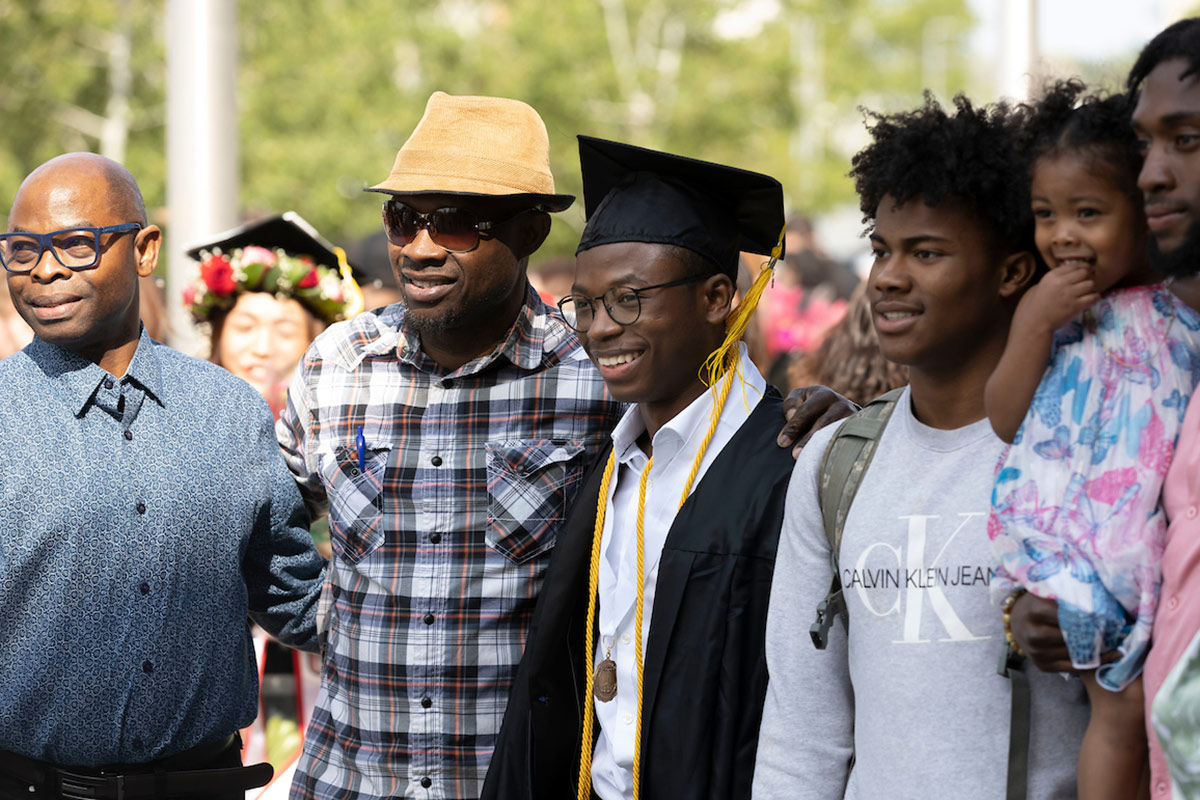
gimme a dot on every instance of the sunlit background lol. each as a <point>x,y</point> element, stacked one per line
<point>298,104</point>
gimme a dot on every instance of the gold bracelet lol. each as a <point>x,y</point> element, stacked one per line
<point>1006,617</point>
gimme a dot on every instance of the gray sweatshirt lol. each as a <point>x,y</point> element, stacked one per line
<point>916,696</point>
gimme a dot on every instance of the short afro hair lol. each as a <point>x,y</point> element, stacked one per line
<point>969,158</point>
<point>1180,40</point>
<point>1065,119</point>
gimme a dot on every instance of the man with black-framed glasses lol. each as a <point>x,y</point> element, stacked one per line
<point>145,511</point>
<point>644,673</point>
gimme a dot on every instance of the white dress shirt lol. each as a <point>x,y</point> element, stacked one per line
<point>674,447</point>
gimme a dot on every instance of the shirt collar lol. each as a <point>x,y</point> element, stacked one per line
<point>75,379</point>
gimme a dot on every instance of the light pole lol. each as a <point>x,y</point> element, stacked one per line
<point>202,151</point>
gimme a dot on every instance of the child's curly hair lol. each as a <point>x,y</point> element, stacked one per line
<point>969,158</point>
<point>1066,119</point>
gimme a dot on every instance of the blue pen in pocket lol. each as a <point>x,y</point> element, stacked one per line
<point>360,442</point>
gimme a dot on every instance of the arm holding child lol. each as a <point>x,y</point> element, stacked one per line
<point>1057,298</point>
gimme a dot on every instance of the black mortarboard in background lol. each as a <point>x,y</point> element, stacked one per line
<point>288,231</point>
<point>632,194</point>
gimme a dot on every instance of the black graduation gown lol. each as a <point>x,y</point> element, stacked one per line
<point>705,673</point>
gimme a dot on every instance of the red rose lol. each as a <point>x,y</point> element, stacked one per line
<point>310,280</point>
<point>189,295</point>
<point>217,274</point>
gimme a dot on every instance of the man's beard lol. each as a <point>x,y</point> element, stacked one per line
<point>432,322</point>
<point>1183,261</point>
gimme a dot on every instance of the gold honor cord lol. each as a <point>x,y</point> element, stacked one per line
<point>585,760</point>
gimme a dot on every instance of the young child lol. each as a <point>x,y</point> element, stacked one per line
<point>1090,392</point>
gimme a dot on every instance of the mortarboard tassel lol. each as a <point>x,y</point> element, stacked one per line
<point>738,320</point>
<point>355,302</point>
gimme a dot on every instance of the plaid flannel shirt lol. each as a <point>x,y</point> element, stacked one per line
<point>441,533</point>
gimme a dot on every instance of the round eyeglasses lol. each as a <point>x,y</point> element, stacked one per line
<point>623,303</point>
<point>74,248</point>
<point>455,230</point>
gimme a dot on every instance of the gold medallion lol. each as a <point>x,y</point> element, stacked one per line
<point>605,681</point>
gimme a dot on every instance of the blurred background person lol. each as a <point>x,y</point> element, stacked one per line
<point>265,290</point>
<point>807,299</point>
<point>552,278</point>
<point>816,271</point>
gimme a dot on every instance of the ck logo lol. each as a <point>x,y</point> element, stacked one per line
<point>917,579</point>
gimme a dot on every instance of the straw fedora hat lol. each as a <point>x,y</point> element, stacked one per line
<point>484,146</point>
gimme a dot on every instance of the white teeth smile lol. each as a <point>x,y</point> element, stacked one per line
<point>894,315</point>
<point>425,284</point>
<point>612,361</point>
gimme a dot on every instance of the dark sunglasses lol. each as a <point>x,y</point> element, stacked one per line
<point>455,230</point>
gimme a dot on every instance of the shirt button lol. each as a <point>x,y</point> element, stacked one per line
<point>1173,602</point>
<point>426,702</point>
<point>426,782</point>
<point>1191,512</point>
<point>447,383</point>
<point>629,719</point>
<point>626,638</point>
<point>1160,787</point>
<point>436,461</point>
<point>434,538</point>
<point>429,619</point>
<point>141,508</point>
<point>129,436</point>
<point>108,383</point>
<point>144,588</point>
<point>147,667</point>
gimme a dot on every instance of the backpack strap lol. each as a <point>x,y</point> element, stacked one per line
<point>845,461</point>
<point>1019,724</point>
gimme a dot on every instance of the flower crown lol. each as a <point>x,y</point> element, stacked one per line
<point>329,294</point>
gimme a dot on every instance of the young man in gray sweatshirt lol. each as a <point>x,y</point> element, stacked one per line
<point>909,703</point>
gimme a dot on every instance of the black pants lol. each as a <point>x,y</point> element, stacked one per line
<point>22,786</point>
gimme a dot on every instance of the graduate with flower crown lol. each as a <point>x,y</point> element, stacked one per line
<point>263,291</point>
<point>644,673</point>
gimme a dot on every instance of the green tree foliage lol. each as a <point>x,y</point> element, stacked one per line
<point>80,75</point>
<point>329,89</point>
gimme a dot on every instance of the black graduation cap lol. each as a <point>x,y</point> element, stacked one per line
<point>288,231</point>
<point>632,194</point>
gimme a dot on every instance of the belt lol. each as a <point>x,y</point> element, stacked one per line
<point>150,781</point>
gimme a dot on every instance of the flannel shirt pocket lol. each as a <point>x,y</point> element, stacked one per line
<point>529,481</point>
<point>355,501</point>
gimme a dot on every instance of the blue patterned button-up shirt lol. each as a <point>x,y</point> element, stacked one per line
<point>141,518</point>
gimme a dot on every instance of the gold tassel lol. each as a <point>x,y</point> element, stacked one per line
<point>355,302</point>
<point>738,320</point>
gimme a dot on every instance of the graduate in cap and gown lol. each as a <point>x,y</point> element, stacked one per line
<point>644,673</point>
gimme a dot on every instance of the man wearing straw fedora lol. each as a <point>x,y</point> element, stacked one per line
<point>447,435</point>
